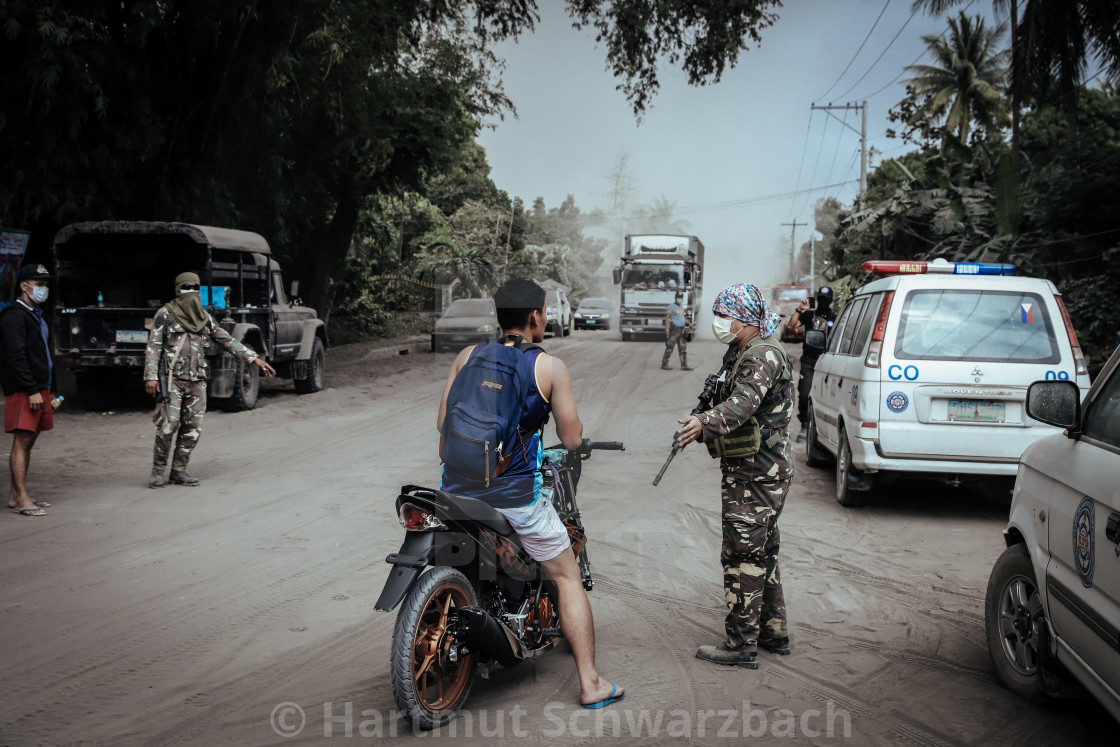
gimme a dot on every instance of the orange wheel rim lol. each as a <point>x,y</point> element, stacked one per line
<point>438,681</point>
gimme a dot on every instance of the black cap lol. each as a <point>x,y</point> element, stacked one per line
<point>33,272</point>
<point>825,292</point>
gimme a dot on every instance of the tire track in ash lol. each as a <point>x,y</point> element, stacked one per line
<point>120,665</point>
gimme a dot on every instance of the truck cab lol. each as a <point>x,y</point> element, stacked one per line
<point>113,276</point>
<point>653,268</point>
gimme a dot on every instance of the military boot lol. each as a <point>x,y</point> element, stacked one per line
<point>721,654</point>
<point>780,646</point>
<point>684,364</point>
<point>182,478</point>
<point>156,480</point>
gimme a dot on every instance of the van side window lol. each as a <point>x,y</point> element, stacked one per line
<point>1102,419</point>
<point>853,316</point>
<point>838,328</point>
<point>863,331</point>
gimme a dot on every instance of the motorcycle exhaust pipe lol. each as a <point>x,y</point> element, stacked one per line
<point>482,631</point>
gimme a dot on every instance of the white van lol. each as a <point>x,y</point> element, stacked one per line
<point>926,373</point>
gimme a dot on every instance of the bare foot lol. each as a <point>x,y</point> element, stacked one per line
<point>604,690</point>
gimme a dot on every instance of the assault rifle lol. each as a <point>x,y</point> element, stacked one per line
<point>704,403</point>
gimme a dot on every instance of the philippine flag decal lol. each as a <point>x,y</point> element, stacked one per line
<point>1026,311</point>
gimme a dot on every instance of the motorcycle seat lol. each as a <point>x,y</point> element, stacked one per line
<point>477,511</point>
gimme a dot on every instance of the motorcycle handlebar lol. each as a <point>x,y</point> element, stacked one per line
<point>594,445</point>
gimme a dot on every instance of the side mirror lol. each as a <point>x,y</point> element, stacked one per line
<point>293,292</point>
<point>1054,403</point>
<point>815,340</point>
<point>616,274</point>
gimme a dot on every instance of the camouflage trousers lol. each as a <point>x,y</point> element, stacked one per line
<point>752,582</point>
<point>676,337</point>
<point>183,414</point>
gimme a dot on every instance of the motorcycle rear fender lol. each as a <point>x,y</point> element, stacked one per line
<point>421,549</point>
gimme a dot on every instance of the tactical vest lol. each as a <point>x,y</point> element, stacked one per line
<point>747,439</point>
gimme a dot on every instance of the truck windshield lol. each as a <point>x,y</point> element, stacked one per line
<point>999,326</point>
<point>653,277</point>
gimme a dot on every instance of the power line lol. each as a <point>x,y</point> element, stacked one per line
<point>804,147</point>
<point>915,62</point>
<point>837,151</point>
<point>854,56</point>
<point>876,62</point>
<point>820,149</point>
<point>729,204</point>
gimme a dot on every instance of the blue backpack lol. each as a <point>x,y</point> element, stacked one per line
<point>484,407</point>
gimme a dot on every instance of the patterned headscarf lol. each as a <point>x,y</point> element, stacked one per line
<point>746,303</point>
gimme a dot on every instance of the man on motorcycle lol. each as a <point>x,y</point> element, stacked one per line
<point>515,494</point>
<point>750,425</point>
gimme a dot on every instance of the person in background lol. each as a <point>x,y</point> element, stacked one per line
<point>180,331</point>
<point>26,374</point>
<point>820,318</point>
<point>675,325</point>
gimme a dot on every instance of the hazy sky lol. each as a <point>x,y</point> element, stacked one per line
<point>716,151</point>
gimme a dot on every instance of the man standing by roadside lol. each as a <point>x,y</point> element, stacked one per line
<point>27,374</point>
<point>675,325</point>
<point>749,426</point>
<point>820,318</point>
<point>180,331</point>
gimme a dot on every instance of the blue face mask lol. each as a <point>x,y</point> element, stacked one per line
<point>39,294</point>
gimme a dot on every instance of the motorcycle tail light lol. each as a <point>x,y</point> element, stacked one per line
<point>416,519</point>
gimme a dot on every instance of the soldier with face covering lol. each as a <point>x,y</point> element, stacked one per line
<point>748,429</point>
<point>180,331</point>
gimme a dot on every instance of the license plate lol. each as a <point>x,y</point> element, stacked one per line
<point>976,411</point>
<point>131,335</point>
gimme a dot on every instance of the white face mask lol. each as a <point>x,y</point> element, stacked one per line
<point>39,294</point>
<point>721,328</point>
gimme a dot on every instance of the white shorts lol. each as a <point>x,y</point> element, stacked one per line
<point>539,528</point>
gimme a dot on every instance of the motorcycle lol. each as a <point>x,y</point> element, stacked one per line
<point>484,603</point>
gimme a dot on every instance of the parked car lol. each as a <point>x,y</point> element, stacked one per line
<point>593,313</point>
<point>559,313</point>
<point>467,321</point>
<point>1052,611</point>
<point>926,374</point>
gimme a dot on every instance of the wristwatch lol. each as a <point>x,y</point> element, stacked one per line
<point>703,420</point>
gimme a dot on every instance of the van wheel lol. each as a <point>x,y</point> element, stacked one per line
<point>314,381</point>
<point>846,474</point>
<point>815,454</point>
<point>1015,624</point>
<point>246,388</point>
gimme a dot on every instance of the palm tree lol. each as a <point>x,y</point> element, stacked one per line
<point>1055,38</point>
<point>965,85</point>
<point>659,217</point>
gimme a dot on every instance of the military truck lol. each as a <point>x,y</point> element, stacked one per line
<point>113,276</point>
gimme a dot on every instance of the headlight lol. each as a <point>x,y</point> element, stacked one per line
<point>487,328</point>
<point>605,315</point>
<point>579,315</point>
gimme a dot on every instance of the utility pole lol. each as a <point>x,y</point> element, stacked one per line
<point>793,248</point>
<point>812,265</point>
<point>862,132</point>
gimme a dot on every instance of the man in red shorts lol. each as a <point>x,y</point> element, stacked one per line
<point>26,378</point>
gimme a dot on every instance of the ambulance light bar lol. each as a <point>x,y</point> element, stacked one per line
<point>889,267</point>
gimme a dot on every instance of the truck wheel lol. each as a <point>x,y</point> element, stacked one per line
<point>314,381</point>
<point>626,337</point>
<point>96,390</point>
<point>246,388</point>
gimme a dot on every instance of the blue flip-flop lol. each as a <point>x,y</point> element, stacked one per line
<point>607,700</point>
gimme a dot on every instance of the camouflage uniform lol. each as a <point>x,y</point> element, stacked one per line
<point>676,337</point>
<point>753,492</point>
<point>187,388</point>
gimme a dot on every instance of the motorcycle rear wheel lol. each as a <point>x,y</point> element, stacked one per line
<point>430,688</point>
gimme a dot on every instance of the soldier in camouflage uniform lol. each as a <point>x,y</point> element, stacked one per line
<point>180,331</point>
<point>754,488</point>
